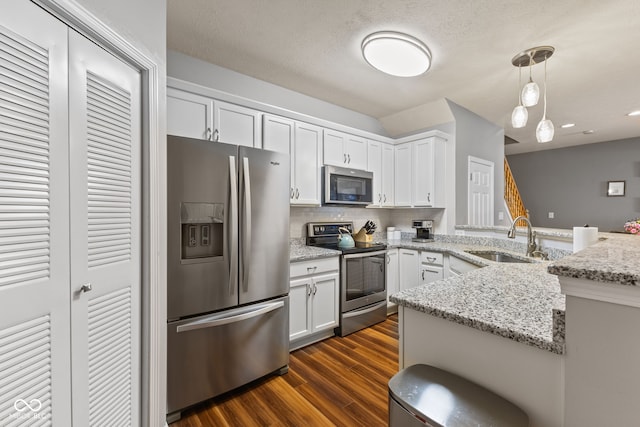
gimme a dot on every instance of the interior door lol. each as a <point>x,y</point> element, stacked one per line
<point>480,197</point>
<point>34,224</point>
<point>104,138</point>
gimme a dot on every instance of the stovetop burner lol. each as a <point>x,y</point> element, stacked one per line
<point>325,235</point>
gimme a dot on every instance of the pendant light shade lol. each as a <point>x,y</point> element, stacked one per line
<point>530,94</point>
<point>519,117</point>
<point>545,131</point>
<point>520,114</point>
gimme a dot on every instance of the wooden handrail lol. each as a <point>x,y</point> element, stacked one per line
<point>512,196</point>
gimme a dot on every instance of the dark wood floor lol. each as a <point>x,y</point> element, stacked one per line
<point>336,382</point>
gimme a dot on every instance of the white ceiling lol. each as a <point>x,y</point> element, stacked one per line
<point>313,47</point>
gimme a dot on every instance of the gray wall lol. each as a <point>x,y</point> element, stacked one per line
<point>572,183</point>
<point>194,70</point>
<point>476,136</point>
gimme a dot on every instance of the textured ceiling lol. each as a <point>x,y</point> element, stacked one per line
<point>313,47</point>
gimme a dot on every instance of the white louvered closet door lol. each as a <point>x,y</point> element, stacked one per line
<point>34,208</point>
<point>104,127</point>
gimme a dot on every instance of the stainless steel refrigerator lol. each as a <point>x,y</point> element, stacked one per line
<point>227,268</point>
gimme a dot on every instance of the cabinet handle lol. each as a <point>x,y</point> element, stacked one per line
<point>208,133</point>
<point>422,274</point>
<point>379,198</point>
<point>385,198</point>
<point>428,197</point>
<point>349,157</point>
<point>388,259</point>
<point>315,289</point>
<point>216,135</point>
<point>292,193</point>
<point>431,259</point>
<point>86,288</point>
<point>312,269</point>
<point>345,158</point>
<point>297,193</point>
<point>309,289</point>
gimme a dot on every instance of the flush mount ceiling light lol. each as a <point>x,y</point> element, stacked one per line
<point>634,113</point>
<point>396,53</point>
<point>531,93</point>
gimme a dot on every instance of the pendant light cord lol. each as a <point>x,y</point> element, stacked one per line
<point>519,84</point>
<point>544,111</point>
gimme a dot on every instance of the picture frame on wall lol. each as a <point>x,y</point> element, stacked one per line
<point>616,188</point>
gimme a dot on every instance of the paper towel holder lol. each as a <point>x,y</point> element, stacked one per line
<point>615,188</point>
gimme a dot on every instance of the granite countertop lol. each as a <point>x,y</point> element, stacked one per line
<point>521,302</point>
<point>614,259</point>
<point>299,251</point>
<point>555,233</point>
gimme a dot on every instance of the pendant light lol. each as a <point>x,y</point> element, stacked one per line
<point>520,114</point>
<point>530,91</point>
<point>545,130</point>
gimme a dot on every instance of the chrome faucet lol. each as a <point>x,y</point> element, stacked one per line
<point>532,246</point>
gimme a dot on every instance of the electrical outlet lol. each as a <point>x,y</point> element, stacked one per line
<point>500,215</point>
<point>552,215</point>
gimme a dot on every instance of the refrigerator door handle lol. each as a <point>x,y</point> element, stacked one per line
<point>233,227</point>
<point>219,320</point>
<point>246,235</point>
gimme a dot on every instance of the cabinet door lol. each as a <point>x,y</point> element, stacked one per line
<point>356,150</point>
<point>403,166</point>
<point>333,148</point>
<point>189,114</point>
<point>325,302</point>
<point>430,273</point>
<point>34,237</point>
<point>388,175</point>
<point>374,164</point>
<point>299,316</point>
<point>409,269</point>
<point>393,272</point>
<point>306,164</point>
<point>277,133</point>
<point>236,125</point>
<point>104,140</point>
<point>423,172</point>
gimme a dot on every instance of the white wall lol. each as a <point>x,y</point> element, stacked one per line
<point>196,71</point>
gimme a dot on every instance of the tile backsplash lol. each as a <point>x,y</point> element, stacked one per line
<point>300,216</point>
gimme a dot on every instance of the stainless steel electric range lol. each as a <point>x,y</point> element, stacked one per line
<point>363,276</point>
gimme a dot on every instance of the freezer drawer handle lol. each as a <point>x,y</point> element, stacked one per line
<point>214,321</point>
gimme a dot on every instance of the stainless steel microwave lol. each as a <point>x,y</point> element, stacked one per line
<point>343,186</point>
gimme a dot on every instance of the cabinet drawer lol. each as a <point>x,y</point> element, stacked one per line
<point>316,266</point>
<point>431,257</point>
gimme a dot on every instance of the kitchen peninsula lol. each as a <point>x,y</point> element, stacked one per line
<point>503,326</point>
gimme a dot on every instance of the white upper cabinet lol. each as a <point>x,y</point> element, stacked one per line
<point>344,150</point>
<point>201,117</point>
<point>420,173</point>
<point>303,143</point>
<point>403,174</point>
<point>233,124</point>
<point>380,161</point>
<point>189,114</point>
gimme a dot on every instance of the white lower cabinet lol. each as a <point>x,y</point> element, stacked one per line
<point>313,301</point>
<point>393,275</point>
<point>409,266</point>
<point>431,266</point>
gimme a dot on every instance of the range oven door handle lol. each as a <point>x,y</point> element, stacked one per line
<point>364,254</point>
<point>219,320</point>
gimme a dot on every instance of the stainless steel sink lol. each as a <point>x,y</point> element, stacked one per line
<point>498,256</point>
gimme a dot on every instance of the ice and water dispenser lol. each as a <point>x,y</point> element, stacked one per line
<point>202,230</point>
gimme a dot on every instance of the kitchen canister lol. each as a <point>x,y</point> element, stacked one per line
<point>390,233</point>
<point>584,237</point>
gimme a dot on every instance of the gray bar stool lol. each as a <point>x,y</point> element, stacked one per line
<point>422,395</point>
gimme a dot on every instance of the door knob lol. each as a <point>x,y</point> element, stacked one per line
<point>86,287</point>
